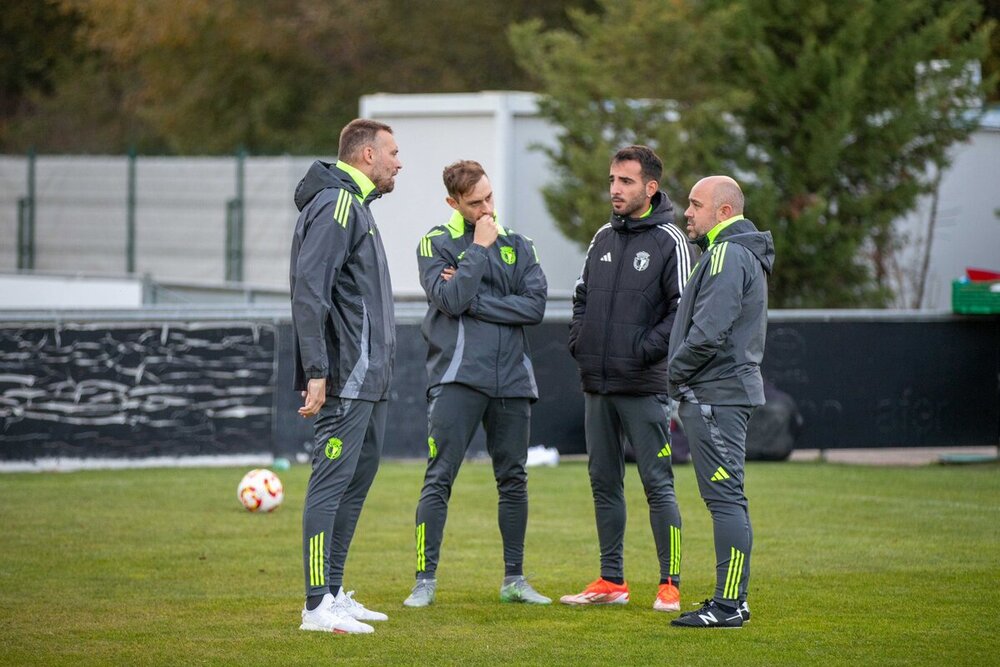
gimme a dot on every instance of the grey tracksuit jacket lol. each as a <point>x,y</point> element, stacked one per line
<point>342,308</point>
<point>474,325</point>
<point>717,341</point>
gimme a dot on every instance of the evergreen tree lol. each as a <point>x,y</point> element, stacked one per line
<point>829,113</point>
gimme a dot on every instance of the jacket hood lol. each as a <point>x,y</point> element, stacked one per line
<point>761,244</point>
<point>322,175</point>
<point>662,214</point>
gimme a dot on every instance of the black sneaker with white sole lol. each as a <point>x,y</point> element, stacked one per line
<point>744,610</point>
<point>709,616</point>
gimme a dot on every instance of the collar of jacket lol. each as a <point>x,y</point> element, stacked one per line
<point>659,212</point>
<point>456,225</point>
<point>713,233</point>
<point>363,182</point>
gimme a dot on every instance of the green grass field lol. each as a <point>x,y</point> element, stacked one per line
<point>851,565</point>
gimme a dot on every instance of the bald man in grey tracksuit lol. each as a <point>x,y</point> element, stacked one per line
<point>716,347</point>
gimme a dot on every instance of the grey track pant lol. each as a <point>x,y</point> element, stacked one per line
<point>645,421</point>
<point>717,437</point>
<point>453,414</point>
<point>346,453</point>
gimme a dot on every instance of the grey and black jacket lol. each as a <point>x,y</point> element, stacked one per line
<point>717,342</point>
<point>475,321</point>
<point>342,309</point>
<point>625,300</point>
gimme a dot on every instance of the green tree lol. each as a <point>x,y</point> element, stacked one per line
<point>271,76</point>
<point>33,36</point>
<point>829,113</point>
<point>36,41</point>
<point>991,64</point>
<point>213,77</point>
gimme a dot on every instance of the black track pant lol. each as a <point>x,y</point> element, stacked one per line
<point>717,437</point>
<point>645,421</point>
<point>453,414</point>
<point>346,453</point>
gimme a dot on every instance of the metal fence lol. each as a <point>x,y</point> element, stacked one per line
<point>171,218</point>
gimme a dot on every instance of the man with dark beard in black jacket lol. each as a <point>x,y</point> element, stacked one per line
<point>623,310</point>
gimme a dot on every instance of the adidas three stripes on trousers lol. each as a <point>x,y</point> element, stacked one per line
<point>717,438</point>
<point>346,452</point>
<point>645,421</point>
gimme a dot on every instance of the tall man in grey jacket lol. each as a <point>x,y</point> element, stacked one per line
<point>483,285</point>
<point>623,308</point>
<point>716,347</point>
<point>345,342</point>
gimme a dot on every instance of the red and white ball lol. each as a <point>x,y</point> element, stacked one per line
<point>260,490</point>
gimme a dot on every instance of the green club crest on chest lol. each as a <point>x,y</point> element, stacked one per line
<point>507,254</point>
<point>334,448</point>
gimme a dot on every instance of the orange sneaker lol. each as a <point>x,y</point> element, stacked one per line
<point>668,598</point>
<point>599,592</point>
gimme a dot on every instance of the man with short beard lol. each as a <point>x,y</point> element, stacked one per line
<point>623,309</point>
<point>716,348</point>
<point>345,341</point>
<point>484,285</point>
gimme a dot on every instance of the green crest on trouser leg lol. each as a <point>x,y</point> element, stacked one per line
<point>432,448</point>
<point>508,255</point>
<point>334,447</point>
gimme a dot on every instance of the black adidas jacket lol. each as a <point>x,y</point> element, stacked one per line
<point>625,301</point>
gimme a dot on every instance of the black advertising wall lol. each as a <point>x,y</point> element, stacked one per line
<point>120,390</point>
<point>931,382</point>
<point>195,386</point>
<point>556,420</point>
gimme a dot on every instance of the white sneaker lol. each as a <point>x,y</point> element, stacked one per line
<point>346,605</point>
<point>325,618</point>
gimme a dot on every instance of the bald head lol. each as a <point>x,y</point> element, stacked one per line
<point>724,190</point>
<point>712,200</point>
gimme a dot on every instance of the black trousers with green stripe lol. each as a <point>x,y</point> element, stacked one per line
<point>346,452</point>
<point>454,412</point>
<point>645,421</point>
<point>717,438</point>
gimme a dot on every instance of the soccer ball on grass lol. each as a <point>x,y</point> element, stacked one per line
<point>260,490</point>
